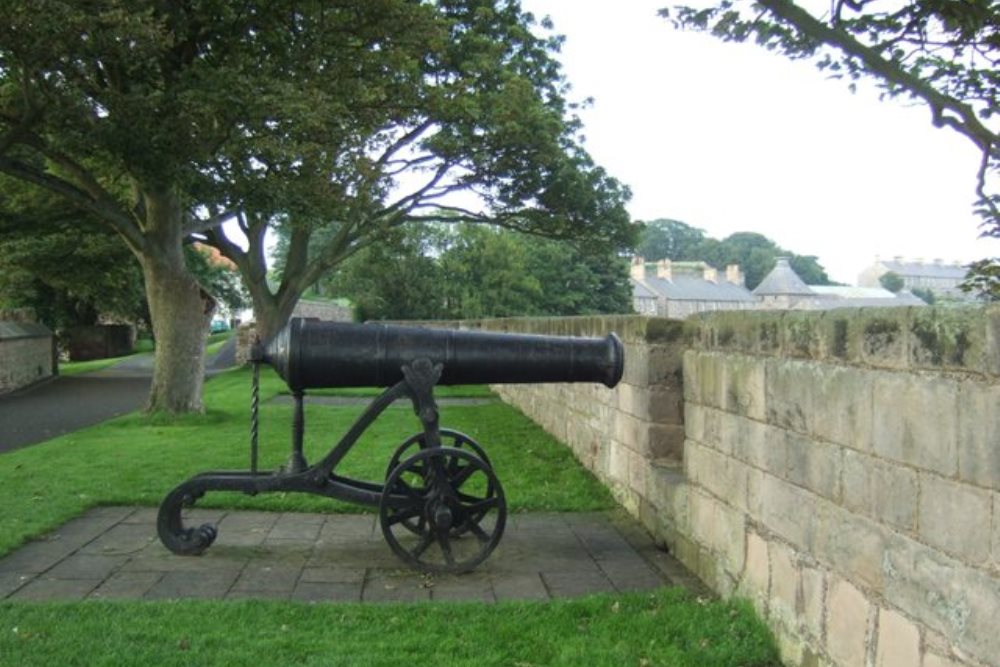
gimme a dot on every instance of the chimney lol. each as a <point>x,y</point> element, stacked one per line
<point>638,269</point>
<point>664,269</point>
<point>711,274</point>
<point>734,275</point>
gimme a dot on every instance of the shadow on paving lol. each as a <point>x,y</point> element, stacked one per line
<point>113,552</point>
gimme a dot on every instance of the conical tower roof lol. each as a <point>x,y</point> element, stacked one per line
<point>782,281</point>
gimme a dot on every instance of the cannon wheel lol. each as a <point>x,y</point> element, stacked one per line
<point>461,514</point>
<point>449,438</point>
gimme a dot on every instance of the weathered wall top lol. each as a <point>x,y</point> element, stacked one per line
<point>631,328</point>
<point>964,340</point>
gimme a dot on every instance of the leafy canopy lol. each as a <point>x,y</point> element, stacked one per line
<point>942,53</point>
<point>754,253</point>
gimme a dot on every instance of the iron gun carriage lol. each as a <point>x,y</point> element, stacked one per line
<point>441,507</point>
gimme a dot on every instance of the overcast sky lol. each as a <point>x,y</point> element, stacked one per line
<point>730,137</point>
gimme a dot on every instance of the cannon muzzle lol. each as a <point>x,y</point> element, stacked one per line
<point>310,354</point>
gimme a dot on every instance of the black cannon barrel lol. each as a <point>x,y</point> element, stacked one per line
<point>311,353</point>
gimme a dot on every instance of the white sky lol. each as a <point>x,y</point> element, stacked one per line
<point>730,137</point>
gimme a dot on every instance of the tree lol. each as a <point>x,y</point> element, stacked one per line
<point>165,119</point>
<point>669,239</point>
<point>891,281</point>
<point>468,271</point>
<point>944,54</point>
<point>485,114</point>
<point>62,263</point>
<point>397,279</point>
<point>756,255</point>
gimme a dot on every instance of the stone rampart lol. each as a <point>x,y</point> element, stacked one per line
<point>839,469</point>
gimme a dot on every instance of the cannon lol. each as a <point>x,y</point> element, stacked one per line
<point>441,507</point>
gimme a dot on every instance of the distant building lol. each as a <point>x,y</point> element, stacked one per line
<point>681,289</point>
<point>783,289</point>
<point>940,278</point>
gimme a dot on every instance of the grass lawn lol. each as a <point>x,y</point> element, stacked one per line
<point>135,460</point>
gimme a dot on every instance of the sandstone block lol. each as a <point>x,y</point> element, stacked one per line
<point>694,422</point>
<point>847,624</point>
<point>789,394</point>
<point>744,393</point>
<point>935,660</point>
<point>884,338</point>
<point>979,434</point>
<point>953,516</point>
<point>917,421</point>
<point>842,410</point>
<point>786,583</point>
<point>792,512</point>
<point>729,539</point>
<point>949,597</point>
<point>757,571</point>
<point>898,641</point>
<point>665,441</point>
<point>995,543</point>
<point>853,544</point>
<point>812,602</point>
<point>880,490</point>
<point>814,464</point>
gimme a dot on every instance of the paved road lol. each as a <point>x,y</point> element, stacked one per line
<point>65,404</point>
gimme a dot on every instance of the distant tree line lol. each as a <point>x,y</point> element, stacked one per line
<point>755,253</point>
<point>444,271</point>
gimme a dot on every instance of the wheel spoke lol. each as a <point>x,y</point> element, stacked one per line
<point>483,505</point>
<point>442,538</point>
<point>478,532</point>
<point>404,515</point>
<point>461,476</point>
<point>419,550</point>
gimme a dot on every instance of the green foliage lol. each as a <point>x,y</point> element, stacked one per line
<point>926,295</point>
<point>220,281</point>
<point>670,239</point>
<point>754,253</point>
<point>473,271</point>
<point>891,281</point>
<point>62,262</point>
<point>983,279</point>
<point>942,54</point>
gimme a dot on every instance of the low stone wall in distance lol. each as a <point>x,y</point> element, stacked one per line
<point>27,354</point>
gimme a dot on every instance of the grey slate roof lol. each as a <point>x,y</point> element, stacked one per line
<point>12,330</point>
<point>914,269</point>
<point>782,281</point>
<point>696,288</point>
<point>641,291</point>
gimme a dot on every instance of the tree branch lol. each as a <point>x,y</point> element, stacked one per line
<point>967,123</point>
<point>103,207</point>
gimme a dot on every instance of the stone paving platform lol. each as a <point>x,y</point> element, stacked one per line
<point>113,552</point>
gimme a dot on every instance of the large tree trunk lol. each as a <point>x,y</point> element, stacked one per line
<point>180,310</point>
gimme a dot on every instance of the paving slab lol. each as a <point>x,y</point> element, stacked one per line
<point>113,553</point>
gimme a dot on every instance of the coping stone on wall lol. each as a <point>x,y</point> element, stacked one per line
<point>952,339</point>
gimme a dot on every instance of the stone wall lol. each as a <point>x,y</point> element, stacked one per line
<point>839,469</point>
<point>27,354</point>
<point>619,434</point>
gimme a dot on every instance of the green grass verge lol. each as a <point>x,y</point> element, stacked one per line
<point>666,628</point>
<point>136,460</point>
<point>143,345</point>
